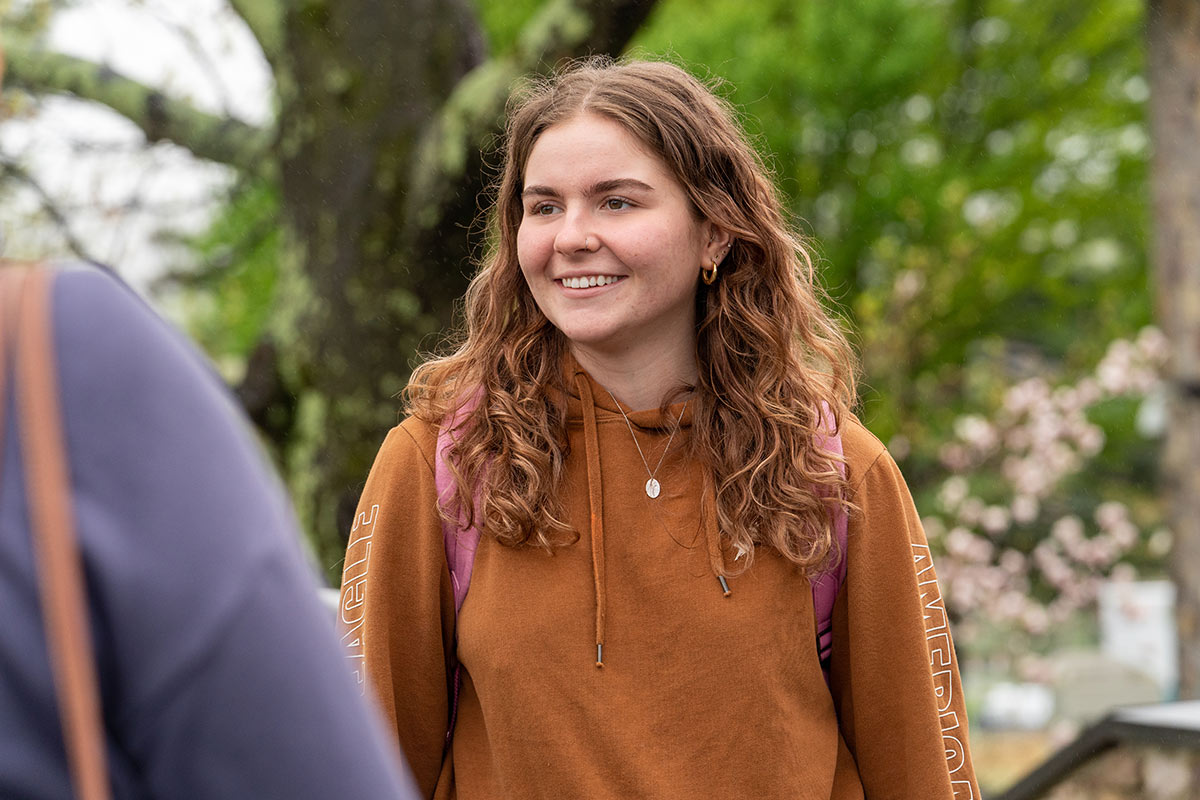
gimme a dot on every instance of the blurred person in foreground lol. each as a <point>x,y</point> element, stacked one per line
<point>218,668</point>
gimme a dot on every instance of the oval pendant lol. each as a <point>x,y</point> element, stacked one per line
<point>652,488</point>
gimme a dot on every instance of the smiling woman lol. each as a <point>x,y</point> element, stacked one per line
<point>609,245</point>
<point>649,389</point>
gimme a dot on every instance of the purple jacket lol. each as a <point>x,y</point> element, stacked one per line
<point>220,673</point>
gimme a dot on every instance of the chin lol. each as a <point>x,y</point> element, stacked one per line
<point>587,335</point>
<point>584,340</point>
<point>590,339</point>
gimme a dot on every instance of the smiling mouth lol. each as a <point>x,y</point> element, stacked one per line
<point>588,281</point>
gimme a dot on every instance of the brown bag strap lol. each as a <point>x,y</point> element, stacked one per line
<point>51,514</point>
<point>10,296</point>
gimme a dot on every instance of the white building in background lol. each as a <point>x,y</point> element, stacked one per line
<point>1137,628</point>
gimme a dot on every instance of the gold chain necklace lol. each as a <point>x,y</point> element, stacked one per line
<point>653,487</point>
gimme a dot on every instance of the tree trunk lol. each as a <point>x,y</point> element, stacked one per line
<point>1173,34</point>
<point>384,108</point>
<point>358,300</point>
<point>381,172</point>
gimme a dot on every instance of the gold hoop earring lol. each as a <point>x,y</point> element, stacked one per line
<point>709,276</point>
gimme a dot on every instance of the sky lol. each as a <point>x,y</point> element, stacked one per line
<point>119,196</point>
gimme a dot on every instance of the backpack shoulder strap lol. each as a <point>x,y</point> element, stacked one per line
<point>825,588</point>
<point>460,542</point>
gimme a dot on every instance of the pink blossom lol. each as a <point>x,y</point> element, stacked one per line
<point>1153,345</point>
<point>958,541</point>
<point>1024,508</point>
<point>1090,440</point>
<point>994,519</point>
<point>1036,620</point>
<point>1018,439</point>
<point>1060,611</point>
<point>1068,398</point>
<point>963,595</point>
<point>935,528</point>
<point>1123,573</point>
<point>1010,605</point>
<point>971,510</point>
<point>1013,562</point>
<point>1089,392</point>
<point>991,579</point>
<point>953,492</point>
<point>1098,552</point>
<point>981,551</point>
<point>1039,436</point>
<point>954,456</point>
<point>1110,513</point>
<point>1068,530</point>
<point>976,432</point>
<point>1124,535</point>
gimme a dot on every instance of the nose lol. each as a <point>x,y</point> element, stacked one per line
<point>575,235</point>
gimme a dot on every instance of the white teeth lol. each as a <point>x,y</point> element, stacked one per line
<point>589,281</point>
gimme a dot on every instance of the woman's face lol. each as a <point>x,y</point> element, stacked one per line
<point>608,241</point>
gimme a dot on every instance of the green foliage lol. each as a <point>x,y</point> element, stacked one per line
<point>232,296</point>
<point>972,173</point>
<point>503,21</point>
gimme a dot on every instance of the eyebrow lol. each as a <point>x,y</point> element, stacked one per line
<point>599,187</point>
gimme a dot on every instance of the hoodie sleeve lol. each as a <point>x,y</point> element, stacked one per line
<point>895,677</point>
<point>397,605</point>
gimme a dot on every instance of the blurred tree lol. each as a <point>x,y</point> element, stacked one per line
<point>972,173</point>
<point>1173,36</point>
<point>385,112</point>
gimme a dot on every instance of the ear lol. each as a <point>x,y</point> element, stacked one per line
<point>719,241</point>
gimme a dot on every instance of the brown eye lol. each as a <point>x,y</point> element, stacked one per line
<point>617,204</point>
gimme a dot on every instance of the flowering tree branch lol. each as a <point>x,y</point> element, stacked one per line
<point>1004,496</point>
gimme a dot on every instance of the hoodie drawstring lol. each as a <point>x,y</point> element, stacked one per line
<point>712,535</point>
<point>712,531</point>
<point>595,507</point>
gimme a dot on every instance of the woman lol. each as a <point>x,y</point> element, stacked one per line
<point>643,419</point>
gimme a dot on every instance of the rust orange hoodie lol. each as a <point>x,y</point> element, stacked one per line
<point>701,695</point>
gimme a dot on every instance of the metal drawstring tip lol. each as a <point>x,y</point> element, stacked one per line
<point>599,655</point>
<point>724,585</point>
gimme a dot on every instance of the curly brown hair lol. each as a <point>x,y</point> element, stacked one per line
<point>774,369</point>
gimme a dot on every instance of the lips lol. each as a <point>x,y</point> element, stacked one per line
<point>588,281</point>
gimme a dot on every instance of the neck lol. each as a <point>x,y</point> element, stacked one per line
<point>641,382</point>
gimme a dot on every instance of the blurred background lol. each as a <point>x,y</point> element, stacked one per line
<point>297,183</point>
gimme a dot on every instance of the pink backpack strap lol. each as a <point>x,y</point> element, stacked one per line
<point>825,588</point>
<point>460,543</point>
